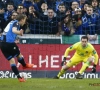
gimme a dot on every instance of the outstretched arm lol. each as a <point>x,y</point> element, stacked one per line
<point>71,48</point>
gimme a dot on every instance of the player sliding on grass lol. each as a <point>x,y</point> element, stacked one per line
<point>9,48</point>
<point>85,52</point>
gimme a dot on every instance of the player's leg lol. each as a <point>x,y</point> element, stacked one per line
<point>20,57</point>
<point>74,61</point>
<point>15,70</point>
<point>22,61</point>
<point>9,52</point>
<point>87,61</point>
<point>62,71</point>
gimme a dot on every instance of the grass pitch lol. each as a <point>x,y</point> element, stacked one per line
<point>50,84</point>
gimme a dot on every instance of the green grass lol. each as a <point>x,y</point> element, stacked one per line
<point>49,84</point>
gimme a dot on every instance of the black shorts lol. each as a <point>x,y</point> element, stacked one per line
<point>9,50</point>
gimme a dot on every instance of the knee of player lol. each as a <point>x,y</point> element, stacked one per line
<point>65,67</point>
<point>20,56</point>
<point>91,59</point>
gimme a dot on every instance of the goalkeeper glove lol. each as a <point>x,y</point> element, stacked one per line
<point>63,62</point>
<point>94,68</point>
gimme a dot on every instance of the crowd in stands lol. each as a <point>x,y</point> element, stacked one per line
<point>58,17</point>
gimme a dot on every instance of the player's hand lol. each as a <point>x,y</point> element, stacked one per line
<point>64,61</point>
<point>21,32</point>
<point>94,69</point>
<point>17,41</point>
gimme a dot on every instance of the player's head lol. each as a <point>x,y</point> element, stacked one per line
<point>21,19</point>
<point>84,41</point>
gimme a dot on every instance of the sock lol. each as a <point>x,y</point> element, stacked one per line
<point>21,60</point>
<point>84,67</point>
<point>61,72</point>
<point>15,70</point>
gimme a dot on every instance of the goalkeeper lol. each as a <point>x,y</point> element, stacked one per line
<point>85,52</point>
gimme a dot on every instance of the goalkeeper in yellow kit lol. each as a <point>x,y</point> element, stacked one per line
<point>85,52</point>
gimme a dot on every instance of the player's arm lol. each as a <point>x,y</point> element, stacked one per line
<point>95,61</point>
<point>14,30</point>
<point>17,40</point>
<point>96,57</point>
<point>71,48</point>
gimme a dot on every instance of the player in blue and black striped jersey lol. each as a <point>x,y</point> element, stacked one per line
<point>8,46</point>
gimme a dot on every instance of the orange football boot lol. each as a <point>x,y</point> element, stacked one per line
<point>21,79</point>
<point>28,66</point>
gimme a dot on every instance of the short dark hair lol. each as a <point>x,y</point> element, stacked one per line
<point>20,6</point>
<point>90,6</point>
<point>84,37</point>
<point>14,12</point>
<point>20,17</point>
<point>61,4</point>
<point>10,3</point>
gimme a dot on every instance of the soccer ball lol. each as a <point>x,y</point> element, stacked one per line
<point>24,75</point>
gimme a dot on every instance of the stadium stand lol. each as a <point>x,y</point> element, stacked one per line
<point>50,17</point>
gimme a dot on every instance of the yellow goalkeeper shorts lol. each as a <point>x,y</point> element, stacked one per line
<point>76,60</point>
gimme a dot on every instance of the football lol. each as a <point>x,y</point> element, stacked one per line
<point>24,75</point>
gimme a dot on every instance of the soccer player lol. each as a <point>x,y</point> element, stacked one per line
<point>85,52</point>
<point>10,49</point>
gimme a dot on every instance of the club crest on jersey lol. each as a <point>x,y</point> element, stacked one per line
<point>94,52</point>
<point>14,47</point>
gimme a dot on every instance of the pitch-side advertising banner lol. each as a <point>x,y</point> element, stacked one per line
<point>46,59</point>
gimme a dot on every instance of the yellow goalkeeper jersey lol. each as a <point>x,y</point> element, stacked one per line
<point>83,51</point>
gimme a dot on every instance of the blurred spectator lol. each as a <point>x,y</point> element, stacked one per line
<point>20,9</point>
<point>77,21</point>
<point>51,3</point>
<point>90,23</point>
<point>44,8</point>
<point>13,17</point>
<point>95,4</point>
<point>85,5</point>
<point>32,18</point>
<point>2,20</point>
<point>10,9</point>
<point>66,26</point>
<point>61,10</point>
<point>33,14</point>
<point>5,2</point>
<point>38,4</point>
<point>49,23</point>
<point>74,5</point>
<point>31,10</point>
<point>27,3</point>
<point>2,5</point>
<point>82,3</point>
<point>58,2</point>
<point>51,16</point>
